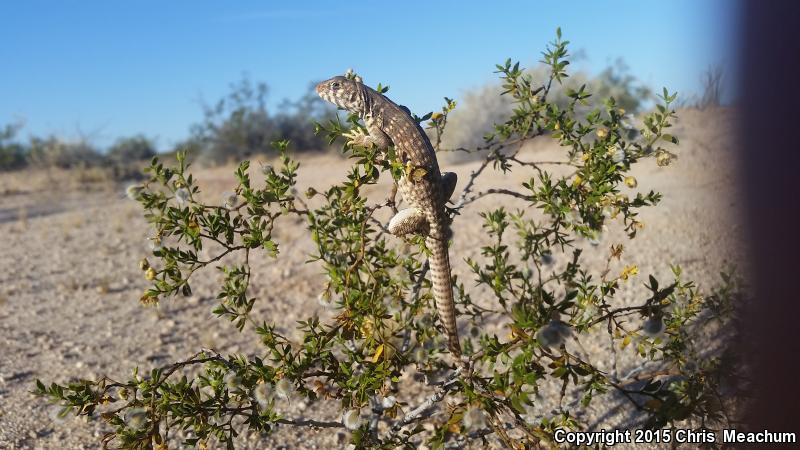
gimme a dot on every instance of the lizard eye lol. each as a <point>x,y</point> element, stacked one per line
<point>336,85</point>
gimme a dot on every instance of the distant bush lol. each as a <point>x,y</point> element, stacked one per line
<point>131,149</point>
<point>239,125</point>
<point>712,88</point>
<point>55,152</point>
<point>12,154</point>
<point>292,122</point>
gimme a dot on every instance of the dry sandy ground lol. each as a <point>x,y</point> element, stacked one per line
<point>69,281</point>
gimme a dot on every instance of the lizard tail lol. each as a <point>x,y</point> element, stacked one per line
<point>443,291</point>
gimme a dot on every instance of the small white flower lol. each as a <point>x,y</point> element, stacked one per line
<point>553,334</point>
<point>134,191</point>
<point>322,301</point>
<point>352,419</point>
<point>135,418</point>
<point>474,418</point>
<point>266,169</point>
<point>388,401</point>
<point>182,196</point>
<point>230,200</point>
<point>618,156</point>
<point>284,388</point>
<point>653,326</point>
<point>232,380</point>
<point>627,122</point>
<point>264,394</point>
<point>155,244</point>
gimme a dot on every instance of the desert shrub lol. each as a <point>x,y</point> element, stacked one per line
<point>132,149</point>
<point>712,88</point>
<point>56,152</point>
<point>239,125</point>
<point>12,154</point>
<point>384,326</point>
<point>483,107</point>
<point>124,157</point>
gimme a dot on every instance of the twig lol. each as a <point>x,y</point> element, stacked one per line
<point>420,411</point>
<point>301,422</point>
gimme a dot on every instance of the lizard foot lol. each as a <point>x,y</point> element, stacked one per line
<point>408,221</point>
<point>358,138</point>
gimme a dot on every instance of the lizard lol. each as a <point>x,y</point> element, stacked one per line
<point>422,186</point>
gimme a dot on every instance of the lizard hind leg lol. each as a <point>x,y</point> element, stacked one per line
<point>408,221</point>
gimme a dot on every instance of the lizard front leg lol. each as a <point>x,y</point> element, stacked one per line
<point>374,137</point>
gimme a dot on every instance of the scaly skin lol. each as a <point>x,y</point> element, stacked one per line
<point>390,124</point>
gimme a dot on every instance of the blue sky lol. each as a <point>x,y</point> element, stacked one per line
<point>105,69</point>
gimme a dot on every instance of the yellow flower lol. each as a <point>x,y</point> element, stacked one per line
<point>602,132</point>
<point>585,157</point>
<point>557,126</point>
<point>663,158</point>
<point>621,111</point>
<point>367,327</point>
<point>577,181</point>
<point>628,271</point>
<point>148,299</point>
<point>150,274</point>
<point>144,264</point>
<point>436,115</point>
<point>631,182</point>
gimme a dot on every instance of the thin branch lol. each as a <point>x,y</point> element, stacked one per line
<point>301,422</point>
<point>420,412</point>
<point>493,191</point>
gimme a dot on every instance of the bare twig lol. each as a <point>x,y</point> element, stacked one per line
<point>421,411</point>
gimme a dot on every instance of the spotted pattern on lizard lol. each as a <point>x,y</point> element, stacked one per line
<point>423,187</point>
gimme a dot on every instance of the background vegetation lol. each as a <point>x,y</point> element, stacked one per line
<point>239,125</point>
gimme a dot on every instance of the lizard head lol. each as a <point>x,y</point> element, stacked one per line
<point>343,92</point>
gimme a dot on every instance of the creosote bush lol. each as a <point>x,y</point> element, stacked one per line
<point>384,325</point>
